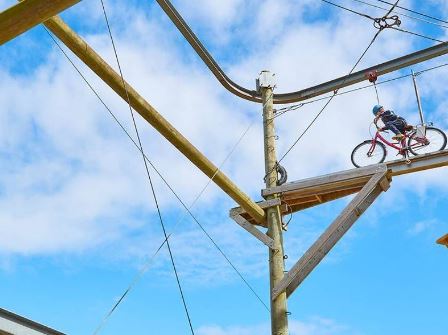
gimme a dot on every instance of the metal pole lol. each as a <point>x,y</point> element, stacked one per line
<point>419,103</point>
<point>279,318</point>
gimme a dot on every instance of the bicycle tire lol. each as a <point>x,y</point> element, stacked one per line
<point>359,154</point>
<point>436,136</point>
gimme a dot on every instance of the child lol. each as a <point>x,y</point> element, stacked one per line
<point>391,121</point>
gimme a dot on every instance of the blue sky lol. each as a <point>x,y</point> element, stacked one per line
<point>77,221</point>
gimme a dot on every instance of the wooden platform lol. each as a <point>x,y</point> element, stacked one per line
<point>368,183</point>
<point>443,240</point>
<point>306,193</point>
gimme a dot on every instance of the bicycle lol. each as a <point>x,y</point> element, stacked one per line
<point>419,140</point>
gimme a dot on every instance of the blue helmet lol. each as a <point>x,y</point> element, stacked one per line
<point>376,109</point>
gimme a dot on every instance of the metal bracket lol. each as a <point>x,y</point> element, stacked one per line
<point>265,80</point>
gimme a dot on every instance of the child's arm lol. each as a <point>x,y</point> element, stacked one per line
<point>375,121</point>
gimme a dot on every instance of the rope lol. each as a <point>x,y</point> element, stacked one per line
<point>376,91</point>
<point>147,172</point>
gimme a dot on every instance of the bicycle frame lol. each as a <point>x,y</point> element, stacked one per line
<point>401,149</point>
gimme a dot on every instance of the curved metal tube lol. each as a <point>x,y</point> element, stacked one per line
<point>205,56</point>
<point>283,98</point>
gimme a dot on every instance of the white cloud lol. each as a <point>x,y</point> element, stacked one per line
<point>74,183</point>
<point>421,227</point>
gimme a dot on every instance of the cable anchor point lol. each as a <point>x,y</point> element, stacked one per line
<point>382,23</point>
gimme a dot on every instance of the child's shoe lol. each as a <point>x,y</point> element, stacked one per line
<point>398,137</point>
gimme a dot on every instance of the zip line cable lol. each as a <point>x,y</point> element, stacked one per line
<point>402,14</point>
<point>188,209</point>
<point>375,20</point>
<point>418,34</point>
<point>382,22</point>
<point>147,170</point>
<point>349,10</point>
<point>381,26</point>
<point>415,12</point>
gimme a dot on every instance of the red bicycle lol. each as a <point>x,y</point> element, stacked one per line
<point>419,140</point>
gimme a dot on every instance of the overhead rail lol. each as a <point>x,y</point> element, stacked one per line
<point>283,98</point>
<point>28,13</point>
<point>86,54</point>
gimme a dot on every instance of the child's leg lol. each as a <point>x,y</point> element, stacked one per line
<point>393,127</point>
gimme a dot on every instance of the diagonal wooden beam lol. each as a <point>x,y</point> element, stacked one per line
<point>306,264</point>
<point>250,228</point>
<point>85,53</point>
<point>27,14</point>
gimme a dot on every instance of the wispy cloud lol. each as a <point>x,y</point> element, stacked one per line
<point>422,227</point>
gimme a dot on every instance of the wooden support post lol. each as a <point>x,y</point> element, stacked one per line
<point>279,317</point>
<point>333,234</point>
<point>81,49</point>
<point>25,15</point>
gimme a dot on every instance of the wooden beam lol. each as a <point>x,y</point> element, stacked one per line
<point>27,14</point>
<point>443,240</point>
<point>265,239</point>
<point>263,204</point>
<point>332,235</point>
<point>81,49</point>
<point>419,163</point>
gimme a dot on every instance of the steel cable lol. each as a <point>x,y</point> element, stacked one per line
<point>147,172</point>
<point>402,14</point>
<point>188,209</point>
<point>415,12</point>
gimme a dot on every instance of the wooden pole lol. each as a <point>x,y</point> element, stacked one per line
<point>28,13</point>
<point>81,49</point>
<point>279,318</point>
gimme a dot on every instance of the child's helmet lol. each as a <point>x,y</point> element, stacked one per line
<point>376,109</point>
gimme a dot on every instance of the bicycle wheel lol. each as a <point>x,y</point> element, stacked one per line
<point>363,154</point>
<point>435,140</point>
